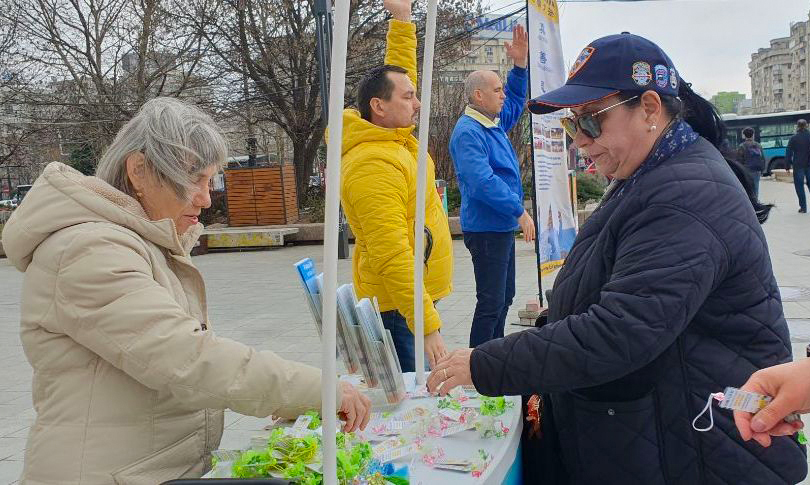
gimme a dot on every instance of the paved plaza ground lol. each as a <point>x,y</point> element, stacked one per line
<point>254,298</point>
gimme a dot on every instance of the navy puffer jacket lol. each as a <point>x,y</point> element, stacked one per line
<point>668,295</point>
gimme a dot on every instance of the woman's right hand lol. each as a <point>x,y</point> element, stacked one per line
<point>789,386</point>
<point>355,408</point>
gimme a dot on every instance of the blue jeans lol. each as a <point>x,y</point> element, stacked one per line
<point>755,176</point>
<point>800,177</point>
<point>493,256</point>
<point>403,340</point>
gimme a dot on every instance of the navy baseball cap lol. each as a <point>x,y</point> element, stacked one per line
<point>621,62</point>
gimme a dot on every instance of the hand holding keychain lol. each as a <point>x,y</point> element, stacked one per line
<point>745,401</point>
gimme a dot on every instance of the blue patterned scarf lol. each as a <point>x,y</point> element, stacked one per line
<point>676,139</point>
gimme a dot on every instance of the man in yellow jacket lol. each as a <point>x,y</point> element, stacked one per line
<point>378,193</point>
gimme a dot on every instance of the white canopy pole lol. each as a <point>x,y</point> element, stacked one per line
<point>421,174</point>
<point>337,88</point>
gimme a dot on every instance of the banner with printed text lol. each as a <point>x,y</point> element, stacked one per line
<point>556,223</point>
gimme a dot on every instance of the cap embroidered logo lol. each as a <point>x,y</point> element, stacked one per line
<point>661,75</point>
<point>673,78</point>
<point>641,73</point>
<point>582,59</point>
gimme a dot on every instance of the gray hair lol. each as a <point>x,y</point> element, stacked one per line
<point>476,80</point>
<point>178,141</point>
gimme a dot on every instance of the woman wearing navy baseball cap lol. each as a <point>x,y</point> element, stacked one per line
<point>666,297</point>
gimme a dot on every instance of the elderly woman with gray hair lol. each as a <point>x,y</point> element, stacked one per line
<point>130,381</point>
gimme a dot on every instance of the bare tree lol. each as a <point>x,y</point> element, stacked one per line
<point>521,138</point>
<point>104,58</point>
<point>271,45</point>
<point>446,107</point>
<point>17,136</point>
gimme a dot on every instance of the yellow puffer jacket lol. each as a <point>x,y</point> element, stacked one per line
<point>378,193</point>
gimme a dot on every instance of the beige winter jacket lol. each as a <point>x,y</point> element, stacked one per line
<point>129,379</point>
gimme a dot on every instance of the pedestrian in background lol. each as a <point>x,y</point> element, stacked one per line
<point>797,157</point>
<point>749,153</point>
<point>490,184</point>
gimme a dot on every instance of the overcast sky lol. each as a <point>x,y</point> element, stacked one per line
<point>710,41</point>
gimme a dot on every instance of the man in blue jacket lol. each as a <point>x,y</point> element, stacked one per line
<point>491,191</point>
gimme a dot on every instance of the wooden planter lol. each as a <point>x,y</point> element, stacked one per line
<point>261,196</point>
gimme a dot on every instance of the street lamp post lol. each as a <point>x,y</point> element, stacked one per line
<point>323,28</point>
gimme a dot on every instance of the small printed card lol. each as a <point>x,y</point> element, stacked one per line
<point>463,466</point>
<point>452,414</point>
<point>301,426</point>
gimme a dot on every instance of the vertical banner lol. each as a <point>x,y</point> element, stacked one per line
<point>557,226</point>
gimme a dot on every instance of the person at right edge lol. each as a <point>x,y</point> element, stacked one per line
<point>797,156</point>
<point>667,296</point>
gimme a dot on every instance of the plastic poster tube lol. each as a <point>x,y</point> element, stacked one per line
<point>337,88</point>
<point>421,189</point>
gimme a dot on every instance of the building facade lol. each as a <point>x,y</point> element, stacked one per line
<point>779,73</point>
<point>487,50</point>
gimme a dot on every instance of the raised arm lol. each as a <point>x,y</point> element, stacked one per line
<point>400,45</point>
<point>517,82</point>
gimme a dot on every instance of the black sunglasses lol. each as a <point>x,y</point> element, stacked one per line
<point>588,122</point>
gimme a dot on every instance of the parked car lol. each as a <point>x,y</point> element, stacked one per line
<point>21,191</point>
<point>315,181</point>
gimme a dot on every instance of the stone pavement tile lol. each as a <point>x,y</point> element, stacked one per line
<point>305,331</point>
<point>17,384</point>
<point>10,397</point>
<point>10,427</point>
<point>237,439</point>
<point>10,471</point>
<point>21,433</point>
<point>795,310</point>
<point>231,417</point>
<point>19,456</point>
<point>10,446</point>
<point>14,410</point>
<point>249,423</point>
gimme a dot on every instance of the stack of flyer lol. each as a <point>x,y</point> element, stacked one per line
<point>363,342</point>
<point>313,288</point>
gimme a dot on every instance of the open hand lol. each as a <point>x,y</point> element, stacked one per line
<point>518,49</point>
<point>355,408</point>
<point>399,9</point>
<point>434,348</point>
<point>527,226</point>
<point>453,370</point>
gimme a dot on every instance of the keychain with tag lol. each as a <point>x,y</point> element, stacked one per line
<point>738,400</point>
<point>751,402</point>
